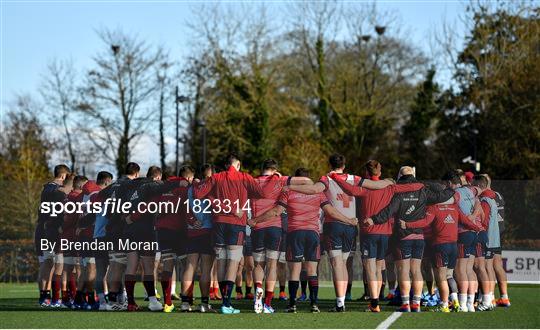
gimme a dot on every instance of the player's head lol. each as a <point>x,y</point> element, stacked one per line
<point>480,181</point>
<point>61,172</point>
<point>302,172</point>
<point>187,172</point>
<point>233,160</point>
<point>462,177</point>
<point>79,181</point>
<point>154,173</point>
<point>104,178</point>
<point>67,185</point>
<point>405,170</point>
<point>270,166</point>
<point>132,170</point>
<point>337,162</point>
<point>488,179</point>
<point>373,168</point>
<point>208,170</point>
<point>451,179</point>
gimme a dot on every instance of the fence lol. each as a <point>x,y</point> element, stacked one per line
<point>18,262</point>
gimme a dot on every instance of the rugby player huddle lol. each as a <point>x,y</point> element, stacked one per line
<point>407,228</point>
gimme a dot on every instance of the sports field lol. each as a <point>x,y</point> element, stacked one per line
<point>18,309</point>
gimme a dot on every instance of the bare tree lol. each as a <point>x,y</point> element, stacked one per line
<point>117,92</point>
<point>59,92</point>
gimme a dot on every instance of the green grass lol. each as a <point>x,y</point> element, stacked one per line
<point>18,309</point>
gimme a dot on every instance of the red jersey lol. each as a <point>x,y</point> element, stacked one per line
<point>343,202</point>
<point>70,219</point>
<point>443,220</point>
<point>90,190</point>
<point>171,220</point>
<point>230,186</point>
<point>303,211</point>
<point>271,185</point>
<point>373,201</point>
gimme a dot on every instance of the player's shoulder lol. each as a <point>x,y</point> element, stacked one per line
<point>321,196</point>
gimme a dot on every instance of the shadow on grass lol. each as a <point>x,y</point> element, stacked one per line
<point>30,304</point>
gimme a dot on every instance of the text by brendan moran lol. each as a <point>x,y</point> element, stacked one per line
<point>95,245</point>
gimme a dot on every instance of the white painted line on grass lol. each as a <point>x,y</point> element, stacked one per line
<point>388,322</point>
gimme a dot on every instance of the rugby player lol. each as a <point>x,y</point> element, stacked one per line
<point>140,228</point>
<point>207,171</point>
<point>119,192</point>
<point>199,248</point>
<point>466,278</point>
<point>103,179</point>
<point>303,242</point>
<point>374,239</point>
<point>48,228</point>
<point>56,280</point>
<point>85,298</point>
<point>267,237</point>
<point>443,218</point>
<point>71,258</point>
<point>409,206</point>
<point>338,236</point>
<point>230,191</point>
<point>490,221</point>
<point>171,229</point>
<point>498,267</point>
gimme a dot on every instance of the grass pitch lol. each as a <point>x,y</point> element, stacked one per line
<point>18,309</point>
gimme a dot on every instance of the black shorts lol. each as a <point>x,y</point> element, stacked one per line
<point>493,251</point>
<point>201,244</point>
<point>143,234</point>
<point>374,246</point>
<point>303,245</point>
<point>481,244</point>
<point>445,255</point>
<point>228,234</point>
<point>466,244</point>
<point>338,236</point>
<point>171,241</point>
<point>409,248</point>
<point>269,238</point>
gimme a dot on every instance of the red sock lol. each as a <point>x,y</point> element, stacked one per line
<point>258,285</point>
<point>166,278</point>
<point>268,298</point>
<point>57,286</point>
<point>129,283</point>
<point>65,295</point>
<point>72,285</point>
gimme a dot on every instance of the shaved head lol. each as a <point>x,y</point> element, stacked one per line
<point>406,170</point>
